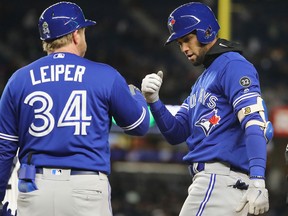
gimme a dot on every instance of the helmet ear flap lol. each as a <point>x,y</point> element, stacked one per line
<point>208,32</point>
<point>206,36</point>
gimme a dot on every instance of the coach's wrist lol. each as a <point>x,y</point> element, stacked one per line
<point>152,98</point>
<point>257,177</point>
<point>257,183</point>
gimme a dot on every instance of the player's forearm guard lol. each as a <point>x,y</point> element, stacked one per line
<point>260,108</point>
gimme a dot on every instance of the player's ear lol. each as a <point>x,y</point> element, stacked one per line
<point>76,37</point>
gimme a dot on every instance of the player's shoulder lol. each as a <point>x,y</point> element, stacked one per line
<point>100,66</point>
<point>69,58</point>
<point>234,60</point>
<point>233,56</point>
<point>94,65</point>
<point>102,69</point>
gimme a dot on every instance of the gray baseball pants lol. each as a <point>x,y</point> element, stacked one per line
<point>213,192</point>
<point>62,194</point>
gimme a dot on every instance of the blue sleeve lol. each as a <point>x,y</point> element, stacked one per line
<point>242,88</point>
<point>240,83</point>
<point>8,140</point>
<point>130,111</point>
<point>6,161</point>
<point>174,128</point>
<point>256,150</point>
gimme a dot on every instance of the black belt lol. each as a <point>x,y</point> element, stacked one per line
<point>73,171</point>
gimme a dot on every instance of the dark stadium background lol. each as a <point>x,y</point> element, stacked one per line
<point>148,177</point>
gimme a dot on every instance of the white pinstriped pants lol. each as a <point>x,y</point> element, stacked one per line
<point>212,192</point>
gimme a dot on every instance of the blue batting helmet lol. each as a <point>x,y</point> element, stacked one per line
<point>193,16</point>
<point>61,19</point>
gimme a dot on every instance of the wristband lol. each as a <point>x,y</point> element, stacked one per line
<point>257,177</point>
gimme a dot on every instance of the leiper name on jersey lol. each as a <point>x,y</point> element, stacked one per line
<point>54,73</point>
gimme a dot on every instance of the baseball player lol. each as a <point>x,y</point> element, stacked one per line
<point>223,120</point>
<point>57,111</point>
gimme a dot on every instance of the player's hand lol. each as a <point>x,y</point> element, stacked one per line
<point>151,85</point>
<point>256,197</point>
<point>4,210</point>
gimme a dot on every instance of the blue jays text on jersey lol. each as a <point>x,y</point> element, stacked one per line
<point>207,119</point>
<point>60,108</point>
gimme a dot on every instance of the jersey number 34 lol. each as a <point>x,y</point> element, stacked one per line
<point>73,114</point>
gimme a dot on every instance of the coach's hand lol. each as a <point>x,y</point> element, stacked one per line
<point>151,85</point>
<point>256,197</point>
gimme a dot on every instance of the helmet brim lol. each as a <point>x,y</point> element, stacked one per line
<point>174,36</point>
<point>88,23</point>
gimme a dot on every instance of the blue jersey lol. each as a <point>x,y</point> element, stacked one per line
<point>59,108</point>
<point>207,119</point>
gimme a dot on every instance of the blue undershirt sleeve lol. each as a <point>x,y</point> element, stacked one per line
<point>256,150</point>
<point>172,129</point>
<point>129,110</point>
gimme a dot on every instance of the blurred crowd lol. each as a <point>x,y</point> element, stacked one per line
<point>130,36</point>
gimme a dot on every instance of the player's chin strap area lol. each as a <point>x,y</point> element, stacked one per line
<point>265,125</point>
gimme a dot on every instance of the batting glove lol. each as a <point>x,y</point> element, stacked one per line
<point>151,85</point>
<point>256,197</point>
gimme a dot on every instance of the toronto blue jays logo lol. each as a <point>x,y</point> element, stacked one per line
<point>171,22</point>
<point>208,122</point>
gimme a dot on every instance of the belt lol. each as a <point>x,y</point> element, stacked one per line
<point>39,170</point>
<point>198,167</point>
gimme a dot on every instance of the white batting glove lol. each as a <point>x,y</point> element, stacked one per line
<point>151,85</point>
<point>256,197</point>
